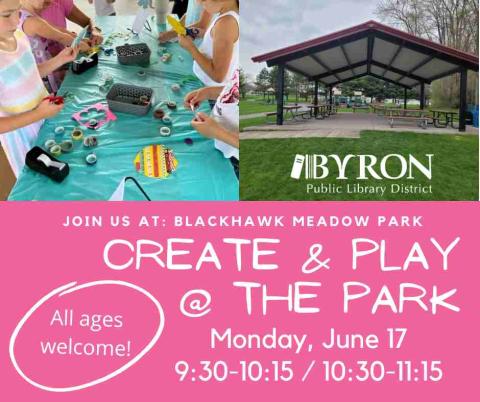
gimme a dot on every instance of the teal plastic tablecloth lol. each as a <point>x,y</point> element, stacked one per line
<point>202,174</point>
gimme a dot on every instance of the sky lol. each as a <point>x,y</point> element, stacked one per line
<point>268,25</point>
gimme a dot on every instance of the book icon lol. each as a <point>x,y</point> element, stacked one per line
<point>297,166</point>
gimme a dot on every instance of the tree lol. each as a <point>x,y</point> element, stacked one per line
<point>262,81</point>
<point>243,84</point>
<point>273,74</point>
<point>452,23</point>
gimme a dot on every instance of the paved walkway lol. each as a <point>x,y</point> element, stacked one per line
<point>341,125</point>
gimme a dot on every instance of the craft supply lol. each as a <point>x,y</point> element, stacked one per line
<point>161,51</point>
<point>50,163</point>
<point>66,146</point>
<point>171,105</point>
<point>138,53</point>
<point>58,100</point>
<point>165,131</point>
<point>107,83</point>
<point>91,159</point>
<point>59,130</point>
<point>99,107</point>
<point>156,161</point>
<point>175,88</point>
<point>188,141</point>
<point>81,35</point>
<point>42,162</point>
<point>144,100</point>
<point>93,123</point>
<point>167,119</point>
<point>77,134</point>
<point>90,141</point>
<point>130,99</point>
<point>56,150</point>
<point>159,114</point>
<point>181,58</point>
<point>83,64</point>
<point>49,144</point>
<point>178,27</point>
<point>166,57</point>
<point>141,74</point>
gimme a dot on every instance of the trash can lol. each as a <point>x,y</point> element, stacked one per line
<point>472,115</point>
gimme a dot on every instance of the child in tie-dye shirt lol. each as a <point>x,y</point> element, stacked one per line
<point>22,93</point>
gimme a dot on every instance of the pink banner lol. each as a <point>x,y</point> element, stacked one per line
<point>239,301</point>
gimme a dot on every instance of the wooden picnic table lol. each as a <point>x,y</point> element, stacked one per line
<point>378,109</point>
<point>405,112</point>
<point>366,107</point>
<point>443,118</point>
<point>290,109</point>
<point>418,116</point>
<point>331,108</point>
<point>318,111</point>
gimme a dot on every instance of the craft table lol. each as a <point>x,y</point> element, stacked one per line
<point>202,174</point>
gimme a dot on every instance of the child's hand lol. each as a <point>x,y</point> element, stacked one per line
<point>166,36</point>
<point>48,109</point>
<point>67,55</point>
<point>194,98</point>
<point>186,42</point>
<point>205,125</point>
<point>96,38</point>
<point>84,46</point>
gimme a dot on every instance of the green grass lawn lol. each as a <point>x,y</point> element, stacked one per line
<point>265,166</point>
<point>255,104</point>
<point>257,121</point>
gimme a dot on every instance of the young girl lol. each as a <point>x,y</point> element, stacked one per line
<point>39,32</point>
<point>22,93</point>
<point>104,8</point>
<point>217,58</point>
<point>223,125</point>
<point>57,14</point>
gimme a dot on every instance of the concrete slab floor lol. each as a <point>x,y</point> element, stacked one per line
<point>342,125</point>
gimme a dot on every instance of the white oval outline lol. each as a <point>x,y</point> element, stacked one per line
<point>70,288</point>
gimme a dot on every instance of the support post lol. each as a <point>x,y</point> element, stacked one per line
<point>405,98</point>
<point>422,95</point>
<point>331,95</point>
<point>462,113</point>
<point>280,90</point>
<point>315,99</point>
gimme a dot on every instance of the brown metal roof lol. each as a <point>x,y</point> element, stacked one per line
<point>371,49</point>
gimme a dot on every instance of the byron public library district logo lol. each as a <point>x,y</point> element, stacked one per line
<point>333,173</point>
